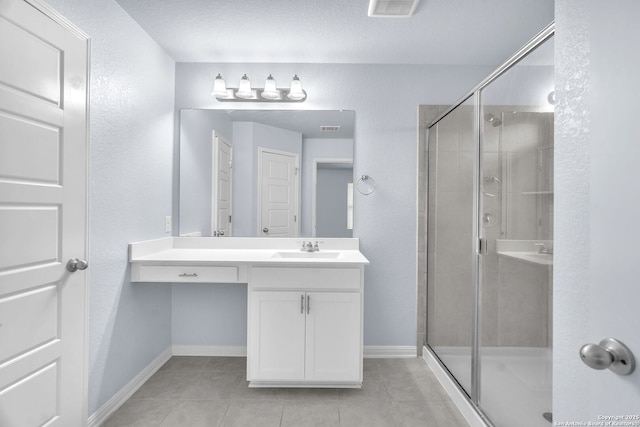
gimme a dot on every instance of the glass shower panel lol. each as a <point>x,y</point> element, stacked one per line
<point>516,222</point>
<point>450,241</point>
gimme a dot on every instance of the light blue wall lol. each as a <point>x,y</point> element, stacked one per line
<point>131,144</point>
<point>385,147</point>
<point>331,216</point>
<point>318,148</point>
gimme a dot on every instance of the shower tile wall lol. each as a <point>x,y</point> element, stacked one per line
<point>515,295</point>
<point>450,196</point>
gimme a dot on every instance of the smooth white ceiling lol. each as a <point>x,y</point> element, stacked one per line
<point>457,32</point>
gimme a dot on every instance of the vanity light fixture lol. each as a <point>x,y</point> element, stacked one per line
<point>271,93</point>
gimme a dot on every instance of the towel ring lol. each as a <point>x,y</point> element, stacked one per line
<point>366,185</point>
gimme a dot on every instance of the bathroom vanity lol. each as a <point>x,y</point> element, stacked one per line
<point>304,326</point>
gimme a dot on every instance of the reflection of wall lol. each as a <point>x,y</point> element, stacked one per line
<point>247,138</point>
<point>315,148</point>
<point>196,163</point>
<point>331,212</point>
<point>195,167</point>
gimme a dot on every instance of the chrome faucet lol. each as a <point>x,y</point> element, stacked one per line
<point>309,247</point>
<point>544,249</point>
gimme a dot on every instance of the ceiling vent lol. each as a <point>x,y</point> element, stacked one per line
<point>392,8</point>
<point>330,128</point>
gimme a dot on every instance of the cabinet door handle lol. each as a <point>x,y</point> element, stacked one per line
<point>308,303</point>
<point>301,304</point>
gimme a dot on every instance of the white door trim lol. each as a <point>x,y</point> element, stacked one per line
<point>261,151</point>
<point>314,184</point>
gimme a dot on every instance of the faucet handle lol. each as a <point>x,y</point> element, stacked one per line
<point>316,247</point>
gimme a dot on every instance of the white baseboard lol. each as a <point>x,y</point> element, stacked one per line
<point>209,350</point>
<point>383,351</point>
<point>241,351</point>
<point>118,399</point>
<point>457,396</point>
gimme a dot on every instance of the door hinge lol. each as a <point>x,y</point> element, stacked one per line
<point>295,218</point>
<point>229,219</point>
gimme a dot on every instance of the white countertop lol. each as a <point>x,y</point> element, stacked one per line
<point>256,251</point>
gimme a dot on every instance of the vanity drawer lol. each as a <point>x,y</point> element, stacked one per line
<point>312,278</point>
<point>184,274</point>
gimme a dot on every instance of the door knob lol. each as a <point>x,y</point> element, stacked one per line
<point>265,230</point>
<point>610,353</point>
<point>76,264</point>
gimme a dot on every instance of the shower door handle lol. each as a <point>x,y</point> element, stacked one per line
<point>610,353</point>
<point>482,246</point>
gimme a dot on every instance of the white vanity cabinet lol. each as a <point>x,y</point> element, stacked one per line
<point>304,317</point>
<point>305,327</point>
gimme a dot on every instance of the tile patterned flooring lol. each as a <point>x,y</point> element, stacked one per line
<point>191,391</point>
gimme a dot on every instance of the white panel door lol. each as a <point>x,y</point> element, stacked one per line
<point>334,337</point>
<point>221,209</point>
<point>607,303</point>
<point>43,218</point>
<point>276,344</point>
<point>278,194</point>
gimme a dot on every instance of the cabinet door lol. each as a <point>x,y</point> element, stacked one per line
<point>277,336</point>
<point>334,337</point>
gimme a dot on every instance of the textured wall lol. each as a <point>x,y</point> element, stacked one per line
<point>384,148</point>
<point>130,191</point>
<point>596,188</point>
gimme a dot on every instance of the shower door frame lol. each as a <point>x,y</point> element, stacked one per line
<point>478,243</point>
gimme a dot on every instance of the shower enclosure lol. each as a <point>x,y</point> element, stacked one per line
<point>489,240</point>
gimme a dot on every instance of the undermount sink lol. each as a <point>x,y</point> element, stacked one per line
<point>301,254</point>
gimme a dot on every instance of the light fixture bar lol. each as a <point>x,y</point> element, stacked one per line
<point>270,93</point>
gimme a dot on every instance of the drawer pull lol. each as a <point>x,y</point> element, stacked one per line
<point>188,275</point>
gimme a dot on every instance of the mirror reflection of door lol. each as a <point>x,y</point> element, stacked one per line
<point>278,195</point>
<point>221,185</point>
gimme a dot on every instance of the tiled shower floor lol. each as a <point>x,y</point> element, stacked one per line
<point>212,391</point>
<point>516,382</point>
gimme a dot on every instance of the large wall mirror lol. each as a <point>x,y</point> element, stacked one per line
<point>266,173</point>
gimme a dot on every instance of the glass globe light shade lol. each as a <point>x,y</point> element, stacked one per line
<point>270,91</point>
<point>296,91</point>
<point>219,87</point>
<point>244,89</point>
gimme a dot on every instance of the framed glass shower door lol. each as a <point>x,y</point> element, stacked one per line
<point>450,249</point>
<point>516,225</point>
